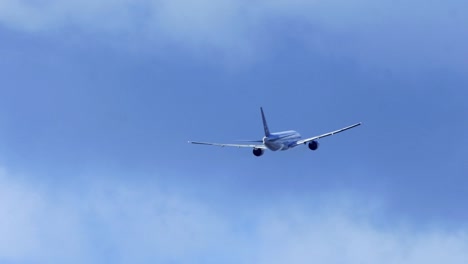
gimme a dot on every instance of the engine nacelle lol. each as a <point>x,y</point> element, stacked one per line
<point>258,152</point>
<point>313,145</point>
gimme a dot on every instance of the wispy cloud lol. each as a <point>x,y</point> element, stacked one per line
<point>33,224</point>
<point>125,222</point>
<point>385,33</point>
<point>343,238</point>
<point>104,220</point>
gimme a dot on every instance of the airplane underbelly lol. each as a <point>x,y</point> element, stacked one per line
<point>285,146</point>
<point>277,146</point>
<point>274,146</point>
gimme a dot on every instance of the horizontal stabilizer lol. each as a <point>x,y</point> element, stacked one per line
<point>255,141</point>
<point>229,145</point>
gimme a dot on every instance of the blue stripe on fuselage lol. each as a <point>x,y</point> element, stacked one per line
<point>283,135</point>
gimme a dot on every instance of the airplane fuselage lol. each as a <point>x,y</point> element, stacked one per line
<point>281,140</point>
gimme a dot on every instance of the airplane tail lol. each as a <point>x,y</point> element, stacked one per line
<point>265,125</point>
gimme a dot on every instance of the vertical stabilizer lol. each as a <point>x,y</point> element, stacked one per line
<point>265,125</point>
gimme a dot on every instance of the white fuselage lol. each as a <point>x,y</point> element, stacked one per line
<point>281,140</point>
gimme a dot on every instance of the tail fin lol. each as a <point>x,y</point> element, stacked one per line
<point>265,125</point>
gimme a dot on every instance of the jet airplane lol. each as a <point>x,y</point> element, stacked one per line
<point>279,140</point>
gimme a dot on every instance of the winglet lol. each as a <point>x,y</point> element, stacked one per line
<point>265,125</point>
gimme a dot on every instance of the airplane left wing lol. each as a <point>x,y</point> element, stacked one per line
<point>229,145</point>
<point>303,141</point>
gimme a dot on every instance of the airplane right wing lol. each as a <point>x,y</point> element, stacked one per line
<point>327,134</point>
<point>229,145</point>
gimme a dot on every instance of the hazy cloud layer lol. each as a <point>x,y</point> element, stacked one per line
<point>124,222</point>
<point>386,33</point>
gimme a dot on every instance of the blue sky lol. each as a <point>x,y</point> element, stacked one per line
<point>98,100</point>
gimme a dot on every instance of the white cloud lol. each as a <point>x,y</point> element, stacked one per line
<point>339,238</point>
<point>193,21</point>
<point>383,33</point>
<point>129,222</point>
<point>32,226</point>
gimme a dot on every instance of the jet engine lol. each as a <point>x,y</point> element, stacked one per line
<point>313,145</point>
<point>258,152</point>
